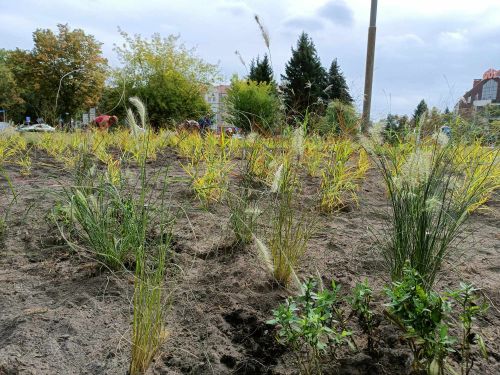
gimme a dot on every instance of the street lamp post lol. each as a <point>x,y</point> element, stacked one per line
<point>60,83</point>
<point>370,57</point>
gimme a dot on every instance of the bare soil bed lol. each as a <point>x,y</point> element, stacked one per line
<point>61,313</point>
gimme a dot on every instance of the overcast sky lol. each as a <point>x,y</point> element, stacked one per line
<point>429,49</point>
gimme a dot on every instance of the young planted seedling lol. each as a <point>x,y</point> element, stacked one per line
<point>471,307</point>
<point>360,302</point>
<point>309,325</point>
<point>421,314</point>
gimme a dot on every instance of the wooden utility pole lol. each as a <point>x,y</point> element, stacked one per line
<point>370,57</point>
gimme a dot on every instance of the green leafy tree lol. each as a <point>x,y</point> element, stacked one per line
<point>304,79</point>
<point>66,66</point>
<point>261,70</point>
<point>253,106</point>
<point>10,93</point>
<point>336,85</point>
<point>166,75</point>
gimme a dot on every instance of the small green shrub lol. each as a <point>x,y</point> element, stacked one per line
<point>340,119</point>
<point>425,318</point>
<point>421,316</point>
<point>312,325</point>
<point>253,106</point>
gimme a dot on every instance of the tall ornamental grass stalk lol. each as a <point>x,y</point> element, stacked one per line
<point>148,329</point>
<point>114,218</point>
<point>290,230</point>
<point>430,200</point>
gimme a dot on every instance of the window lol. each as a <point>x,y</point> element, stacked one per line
<point>490,90</point>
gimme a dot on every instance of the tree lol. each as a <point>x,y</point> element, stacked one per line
<point>10,93</point>
<point>419,112</point>
<point>253,106</point>
<point>67,65</point>
<point>261,71</point>
<point>336,85</point>
<point>305,78</point>
<point>166,75</point>
<point>395,129</point>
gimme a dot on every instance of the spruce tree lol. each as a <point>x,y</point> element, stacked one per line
<point>420,111</point>
<point>305,78</point>
<point>336,85</point>
<point>261,71</point>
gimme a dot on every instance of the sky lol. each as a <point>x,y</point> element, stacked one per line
<point>426,49</point>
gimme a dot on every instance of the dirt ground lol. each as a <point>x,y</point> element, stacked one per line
<point>60,313</point>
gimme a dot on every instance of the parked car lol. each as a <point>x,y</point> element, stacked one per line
<point>36,128</point>
<point>4,125</point>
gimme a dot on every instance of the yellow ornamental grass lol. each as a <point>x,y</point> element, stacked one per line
<point>25,164</point>
<point>190,146</point>
<point>341,176</point>
<point>11,145</point>
<point>210,183</point>
<point>481,174</point>
<point>313,156</point>
<point>113,171</point>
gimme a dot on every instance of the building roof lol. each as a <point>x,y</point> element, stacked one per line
<point>474,97</point>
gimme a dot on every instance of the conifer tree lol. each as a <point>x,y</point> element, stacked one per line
<point>336,85</point>
<point>420,111</point>
<point>304,78</point>
<point>261,70</point>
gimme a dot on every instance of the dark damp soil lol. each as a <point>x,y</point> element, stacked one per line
<point>61,313</point>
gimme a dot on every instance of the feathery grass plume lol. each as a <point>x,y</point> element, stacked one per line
<point>141,109</point>
<point>265,36</point>
<point>376,133</point>
<point>441,138</point>
<point>415,169</point>
<point>275,186</point>
<point>298,142</point>
<point>264,254</point>
<point>132,123</point>
<point>237,53</point>
<point>264,32</point>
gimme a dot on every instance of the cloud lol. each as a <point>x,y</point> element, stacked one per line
<point>407,39</point>
<point>236,9</point>
<point>454,40</point>
<point>338,12</point>
<point>305,23</point>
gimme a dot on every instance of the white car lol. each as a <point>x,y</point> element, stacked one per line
<point>36,128</point>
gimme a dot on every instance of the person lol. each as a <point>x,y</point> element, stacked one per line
<point>205,123</point>
<point>104,122</point>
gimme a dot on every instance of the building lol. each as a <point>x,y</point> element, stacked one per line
<point>484,91</point>
<point>215,98</point>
